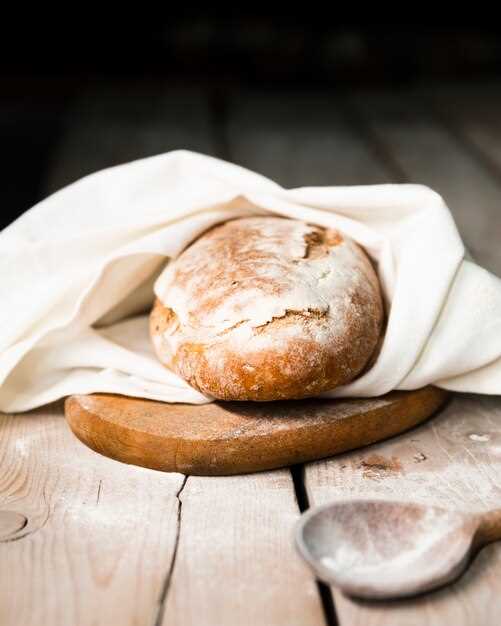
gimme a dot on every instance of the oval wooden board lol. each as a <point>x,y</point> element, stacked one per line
<point>237,437</point>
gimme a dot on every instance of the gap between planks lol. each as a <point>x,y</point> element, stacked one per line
<point>158,618</point>
<point>303,502</point>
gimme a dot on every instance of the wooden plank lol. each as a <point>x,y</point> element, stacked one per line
<point>110,126</point>
<point>105,553</point>
<point>236,563</point>
<point>455,461</point>
<point>299,140</point>
<point>408,138</point>
<point>427,152</point>
<point>99,536</point>
<point>473,117</point>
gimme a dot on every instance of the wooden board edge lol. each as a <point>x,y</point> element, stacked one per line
<point>220,458</point>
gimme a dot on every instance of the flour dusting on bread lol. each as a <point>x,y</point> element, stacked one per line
<point>267,293</point>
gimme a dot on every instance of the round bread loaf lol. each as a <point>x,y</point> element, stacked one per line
<point>267,308</point>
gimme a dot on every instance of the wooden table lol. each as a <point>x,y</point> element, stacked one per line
<point>105,543</point>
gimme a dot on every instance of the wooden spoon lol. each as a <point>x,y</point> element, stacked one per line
<point>378,549</point>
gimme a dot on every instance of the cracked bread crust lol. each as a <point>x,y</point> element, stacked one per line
<point>267,308</point>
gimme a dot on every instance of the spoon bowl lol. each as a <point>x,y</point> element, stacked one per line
<point>377,549</point>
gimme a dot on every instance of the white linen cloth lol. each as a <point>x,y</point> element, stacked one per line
<point>89,253</point>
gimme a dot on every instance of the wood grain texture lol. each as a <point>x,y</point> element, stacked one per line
<point>472,117</point>
<point>43,579</point>
<point>453,461</point>
<point>115,125</point>
<point>423,150</point>
<point>237,437</point>
<point>99,536</point>
<point>299,139</point>
<point>236,563</point>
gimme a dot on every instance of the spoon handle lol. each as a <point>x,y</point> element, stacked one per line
<point>489,528</point>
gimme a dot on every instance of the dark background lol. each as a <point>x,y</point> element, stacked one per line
<point>46,65</point>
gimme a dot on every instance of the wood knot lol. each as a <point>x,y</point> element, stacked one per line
<point>11,523</point>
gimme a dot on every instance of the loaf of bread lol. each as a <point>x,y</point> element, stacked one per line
<point>267,308</point>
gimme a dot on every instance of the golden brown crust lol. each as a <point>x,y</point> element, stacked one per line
<point>266,309</point>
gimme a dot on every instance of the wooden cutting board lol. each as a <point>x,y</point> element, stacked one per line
<point>237,437</point>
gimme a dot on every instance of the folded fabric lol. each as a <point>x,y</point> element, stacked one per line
<point>77,273</point>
